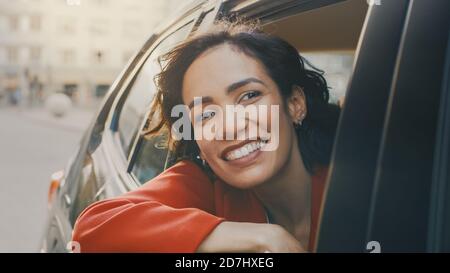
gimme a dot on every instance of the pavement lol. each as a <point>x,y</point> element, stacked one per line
<point>33,145</point>
<point>77,119</point>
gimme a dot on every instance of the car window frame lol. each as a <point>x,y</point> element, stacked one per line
<point>137,141</point>
<point>116,154</point>
<point>251,9</point>
<point>200,25</point>
<point>118,111</point>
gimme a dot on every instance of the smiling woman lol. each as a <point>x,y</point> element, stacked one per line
<point>228,193</point>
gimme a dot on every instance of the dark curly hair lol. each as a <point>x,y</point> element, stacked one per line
<point>282,63</point>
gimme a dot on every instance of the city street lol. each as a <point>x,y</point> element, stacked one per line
<point>33,144</point>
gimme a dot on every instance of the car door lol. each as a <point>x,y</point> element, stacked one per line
<point>61,208</point>
<point>383,179</point>
<point>101,171</point>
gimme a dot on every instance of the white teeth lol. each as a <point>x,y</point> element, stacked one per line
<point>254,146</point>
<point>245,150</point>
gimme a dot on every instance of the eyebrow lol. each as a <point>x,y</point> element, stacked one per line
<point>200,101</point>
<point>244,82</point>
<point>230,89</point>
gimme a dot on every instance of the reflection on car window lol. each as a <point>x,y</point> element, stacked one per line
<point>151,158</point>
<point>150,155</point>
<point>134,108</point>
<point>87,190</point>
<point>143,89</point>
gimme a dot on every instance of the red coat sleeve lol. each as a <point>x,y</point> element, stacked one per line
<point>174,212</point>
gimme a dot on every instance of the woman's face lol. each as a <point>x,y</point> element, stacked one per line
<point>223,76</point>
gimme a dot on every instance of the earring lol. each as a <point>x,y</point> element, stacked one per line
<point>299,122</point>
<point>203,161</point>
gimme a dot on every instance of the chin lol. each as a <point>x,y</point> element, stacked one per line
<point>245,178</point>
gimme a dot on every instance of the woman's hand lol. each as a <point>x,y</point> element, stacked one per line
<point>250,237</point>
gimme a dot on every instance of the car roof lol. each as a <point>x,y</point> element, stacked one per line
<point>309,25</point>
<point>184,10</point>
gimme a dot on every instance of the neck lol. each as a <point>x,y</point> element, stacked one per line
<point>287,198</point>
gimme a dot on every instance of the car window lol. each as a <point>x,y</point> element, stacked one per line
<point>337,68</point>
<point>327,41</point>
<point>150,158</point>
<point>84,187</point>
<point>134,107</point>
<point>88,187</point>
<point>150,155</point>
<point>140,93</point>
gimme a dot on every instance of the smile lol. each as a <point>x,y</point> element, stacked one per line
<point>245,150</point>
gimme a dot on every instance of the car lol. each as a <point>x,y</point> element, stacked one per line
<point>388,184</point>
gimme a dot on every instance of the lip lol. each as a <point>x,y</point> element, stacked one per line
<point>243,161</point>
<point>246,160</point>
<point>234,147</point>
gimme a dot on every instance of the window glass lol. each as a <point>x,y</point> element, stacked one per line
<point>142,90</point>
<point>325,40</point>
<point>87,191</point>
<point>337,68</point>
<point>150,159</point>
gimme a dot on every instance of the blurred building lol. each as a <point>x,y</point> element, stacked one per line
<point>73,46</point>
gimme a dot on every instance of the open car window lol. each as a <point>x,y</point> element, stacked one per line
<point>136,101</point>
<point>150,154</point>
<point>327,38</point>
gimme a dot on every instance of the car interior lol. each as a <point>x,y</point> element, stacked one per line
<point>327,37</point>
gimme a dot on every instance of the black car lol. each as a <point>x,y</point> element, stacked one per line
<point>388,185</point>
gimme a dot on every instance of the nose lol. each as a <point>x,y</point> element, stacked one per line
<point>235,125</point>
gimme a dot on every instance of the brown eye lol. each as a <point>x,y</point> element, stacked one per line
<point>205,115</point>
<point>249,95</point>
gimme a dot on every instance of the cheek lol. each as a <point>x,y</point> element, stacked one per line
<point>207,149</point>
<point>279,126</point>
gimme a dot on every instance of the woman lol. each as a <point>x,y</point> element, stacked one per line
<point>240,197</point>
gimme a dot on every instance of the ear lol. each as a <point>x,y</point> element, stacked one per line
<point>297,104</point>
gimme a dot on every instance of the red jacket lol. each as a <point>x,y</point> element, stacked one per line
<point>173,212</point>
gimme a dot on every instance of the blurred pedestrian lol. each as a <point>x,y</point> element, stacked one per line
<point>33,91</point>
<point>14,95</point>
